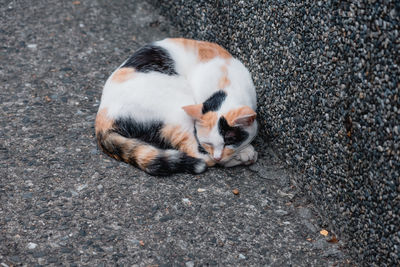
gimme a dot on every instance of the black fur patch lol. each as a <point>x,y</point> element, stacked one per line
<point>164,166</point>
<point>148,132</point>
<point>232,135</point>
<point>214,102</point>
<point>152,58</point>
<point>161,165</point>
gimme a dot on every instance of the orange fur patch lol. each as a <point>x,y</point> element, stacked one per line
<point>224,81</point>
<point>232,115</point>
<point>145,154</point>
<point>208,148</point>
<point>123,74</point>
<point>103,123</point>
<point>205,50</point>
<point>194,111</point>
<point>180,139</point>
<point>209,119</point>
<point>210,162</point>
<point>124,146</point>
<point>227,152</point>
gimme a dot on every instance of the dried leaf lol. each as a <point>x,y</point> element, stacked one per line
<point>76,2</point>
<point>141,242</point>
<point>333,239</point>
<point>309,239</point>
<point>324,232</point>
<point>235,191</point>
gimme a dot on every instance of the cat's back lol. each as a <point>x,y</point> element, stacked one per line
<point>175,72</point>
<point>146,85</point>
<point>209,67</point>
<point>161,68</point>
<point>189,54</point>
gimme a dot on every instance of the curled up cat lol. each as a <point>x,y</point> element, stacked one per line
<point>179,105</point>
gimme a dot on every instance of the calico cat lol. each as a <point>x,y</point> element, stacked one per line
<point>178,105</point>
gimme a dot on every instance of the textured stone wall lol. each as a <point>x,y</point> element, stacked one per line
<point>327,76</point>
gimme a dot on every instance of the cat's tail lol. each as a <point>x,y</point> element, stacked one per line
<point>148,158</point>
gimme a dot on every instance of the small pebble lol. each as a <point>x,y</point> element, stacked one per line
<point>31,245</point>
<point>29,183</point>
<point>27,195</point>
<point>281,212</point>
<point>81,187</point>
<point>74,193</point>
<point>186,201</point>
<point>283,194</point>
<point>60,149</point>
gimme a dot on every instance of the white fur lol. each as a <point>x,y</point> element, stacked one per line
<point>156,96</point>
<point>245,156</point>
<point>149,96</point>
<point>200,167</point>
<point>204,79</point>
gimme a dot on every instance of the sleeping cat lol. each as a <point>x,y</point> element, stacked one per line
<point>178,105</point>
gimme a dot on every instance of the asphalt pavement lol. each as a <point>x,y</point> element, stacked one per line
<point>63,202</point>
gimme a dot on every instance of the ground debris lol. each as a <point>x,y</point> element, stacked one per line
<point>235,191</point>
<point>324,232</point>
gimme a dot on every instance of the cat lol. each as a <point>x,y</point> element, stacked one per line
<point>178,105</point>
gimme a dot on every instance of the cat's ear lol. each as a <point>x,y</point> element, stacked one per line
<point>194,111</point>
<point>245,117</point>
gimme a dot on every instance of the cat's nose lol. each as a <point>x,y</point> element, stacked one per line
<point>217,155</point>
<point>217,159</point>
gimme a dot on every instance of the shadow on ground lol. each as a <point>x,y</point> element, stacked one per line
<point>63,202</point>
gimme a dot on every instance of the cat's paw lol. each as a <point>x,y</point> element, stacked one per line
<point>247,155</point>
<point>232,162</point>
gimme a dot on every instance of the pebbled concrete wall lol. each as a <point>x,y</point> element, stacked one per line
<point>327,74</point>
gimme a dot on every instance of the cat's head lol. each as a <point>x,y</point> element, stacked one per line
<point>222,134</point>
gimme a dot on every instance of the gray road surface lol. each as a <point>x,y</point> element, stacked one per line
<point>65,203</point>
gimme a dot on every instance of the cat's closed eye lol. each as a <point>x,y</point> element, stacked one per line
<point>207,144</point>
